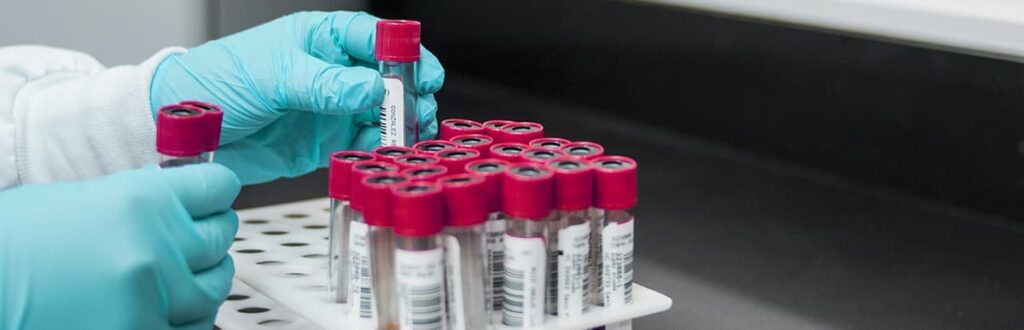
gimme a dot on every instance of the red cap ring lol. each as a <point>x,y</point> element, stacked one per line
<point>540,155</point>
<point>340,171</point>
<point>510,152</point>
<point>377,190</point>
<point>389,153</point>
<point>397,40</point>
<point>456,159</point>
<point>478,142</point>
<point>583,150</point>
<point>492,170</point>
<point>466,199</point>
<point>527,191</point>
<point>417,209</point>
<point>431,147</point>
<point>414,160</point>
<point>428,173</point>
<point>549,143</point>
<point>214,116</point>
<point>615,182</point>
<point>357,198</point>
<point>521,132</point>
<point>453,127</point>
<point>492,128</point>
<point>574,183</point>
<point>181,130</point>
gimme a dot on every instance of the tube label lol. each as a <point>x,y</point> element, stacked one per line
<point>420,279</point>
<point>618,263</point>
<point>392,114</point>
<point>573,270</point>
<point>453,272</point>
<point>360,280</point>
<point>495,260</point>
<point>525,267</point>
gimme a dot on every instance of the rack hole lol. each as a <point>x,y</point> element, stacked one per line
<point>256,221</point>
<point>254,310</point>
<point>315,226</point>
<point>235,297</point>
<point>294,244</point>
<point>274,232</point>
<point>239,239</point>
<point>296,215</point>
<point>269,262</point>
<point>274,323</point>
<point>249,251</point>
<point>314,255</point>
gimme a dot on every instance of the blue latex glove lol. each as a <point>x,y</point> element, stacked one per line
<point>144,249</point>
<point>293,90</point>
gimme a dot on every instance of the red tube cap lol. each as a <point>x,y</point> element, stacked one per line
<point>466,199</point>
<point>574,183</point>
<point>414,160</point>
<point>357,198</point>
<point>181,131</point>
<point>398,40</point>
<point>521,132</point>
<point>549,143</point>
<point>510,152</point>
<point>492,170</point>
<point>492,128</point>
<point>417,209</point>
<point>456,159</point>
<point>614,182</point>
<point>583,150</point>
<point>526,191</point>
<point>339,175</point>
<point>455,126</point>
<point>377,191</point>
<point>540,155</point>
<point>479,142</point>
<point>428,173</point>
<point>213,116</point>
<point>390,153</point>
<point>431,147</point>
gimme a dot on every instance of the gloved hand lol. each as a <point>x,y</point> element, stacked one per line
<point>293,90</point>
<point>144,249</point>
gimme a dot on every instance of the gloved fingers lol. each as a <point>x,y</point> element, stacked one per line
<point>203,189</point>
<point>215,235</point>
<point>325,88</point>
<point>205,323</point>
<point>367,139</point>
<point>201,296</point>
<point>429,73</point>
<point>426,108</point>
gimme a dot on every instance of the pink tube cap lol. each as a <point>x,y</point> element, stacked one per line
<point>357,198</point>
<point>377,188</point>
<point>340,172</point>
<point>540,155</point>
<point>428,173</point>
<point>453,127</point>
<point>493,128</point>
<point>492,170</point>
<point>390,153</point>
<point>526,191</point>
<point>181,130</point>
<point>431,147</point>
<point>615,182</point>
<point>574,183</point>
<point>456,159</point>
<point>214,117</point>
<point>510,152</point>
<point>479,142</point>
<point>398,40</point>
<point>417,209</point>
<point>414,160</point>
<point>466,199</point>
<point>521,132</point>
<point>583,150</point>
<point>548,143</point>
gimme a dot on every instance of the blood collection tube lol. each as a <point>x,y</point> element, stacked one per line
<point>469,301</point>
<point>455,126</point>
<point>432,147</point>
<point>408,161</point>
<point>180,135</point>
<point>570,237</point>
<point>456,159</point>
<point>583,150</point>
<point>426,173</point>
<point>521,132</point>
<point>527,200</point>
<point>418,213</point>
<point>380,272</point>
<point>615,193</point>
<point>339,184</point>
<point>492,128</point>
<point>360,285</point>
<point>214,116</point>
<point>492,170</point>
<point>548,143</point>
<point>398,51</point>
<point>540,155</point>
<point>390,153</point>
<point>478,142</point>
<point>510,152</point>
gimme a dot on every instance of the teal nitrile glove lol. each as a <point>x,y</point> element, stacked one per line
<point>144,249</point>
<point>293,90</point>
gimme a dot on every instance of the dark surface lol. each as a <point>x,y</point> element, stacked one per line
<point>935,123</point>
<point>745,242</point>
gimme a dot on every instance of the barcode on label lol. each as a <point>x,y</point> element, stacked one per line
<point>364,290</point>
<point>618,263</point>
<point>420,277</point>
<point>496,260</point>
<point>392,114</point>
<point>425,301</point>
<point>525,268</point>
<point>360,280</point>
<point>513,304</point>
<point>627,274</point>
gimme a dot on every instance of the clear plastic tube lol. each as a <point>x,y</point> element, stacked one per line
<point>469,304</point>
<point>572,253</point>
<point>398,119</point>
<point>495,227</point>
<point>337,257</point>
<point>382,252</point>
<point>167,161</point>
<point>419,278</point>
<point>617,255</point>
<point>525,272</point>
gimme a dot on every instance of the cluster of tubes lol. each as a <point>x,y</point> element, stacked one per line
<point>491,223</point>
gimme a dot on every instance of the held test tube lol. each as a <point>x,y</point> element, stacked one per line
<point>360,285</point>
<point>615,193</point>
<point>479,142</point>
<point>469,301</point>
<point>339,183</point>
<point>492,170</point>
<point>574,191</point>
<point>181,132</point>
<point>398,51</point>
<point>213,116</point>
<point>381,240</point>
<point>527,200</point>
<point>418,214</point>
<point>453,127</point>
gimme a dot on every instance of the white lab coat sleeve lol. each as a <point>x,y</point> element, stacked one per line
<point>64,116</point>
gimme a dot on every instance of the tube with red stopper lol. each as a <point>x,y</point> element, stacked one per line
<point>510,152</point>
<point>360,286</point>
<point>492,170</point>
<point>570,237</point>
<point>181,135</point>
<point>549,143</point>
<point>414,160</point>
<point>540,155</point>
<point>214,116</point>
<point>493,128</point>
<point>479,142</point>
<point>426,173</point>
<point>398,51</point>
<point>418,215</point>
<point>469,299</point>
<point>583,150</point>
<point>453,127</point>
<point>527,191</point>
<point>432,147</point>
<point>339,182</point>
<point>378,289</point>
<point>390,153</point>
<point>456,159</point>
<point>521,132</point>
<point>615,193</point>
